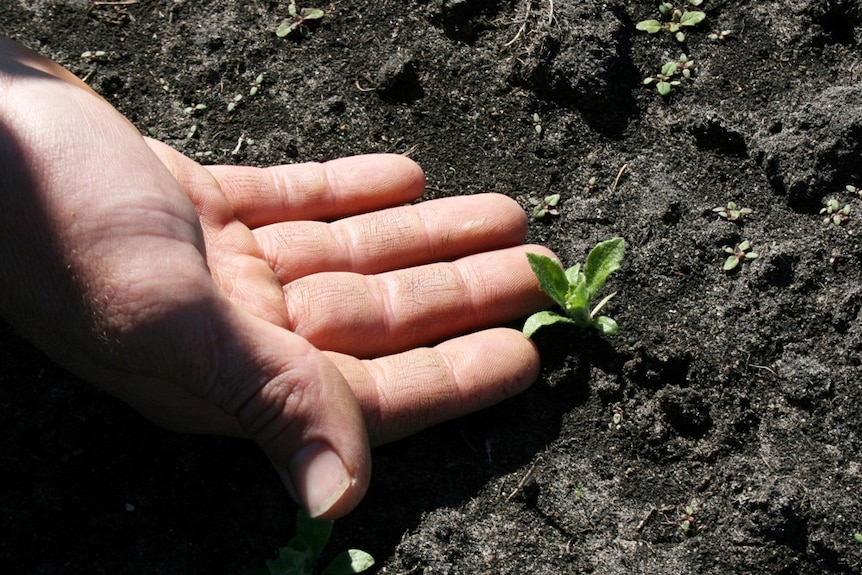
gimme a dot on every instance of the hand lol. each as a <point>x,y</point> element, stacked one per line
<point>217,299</point>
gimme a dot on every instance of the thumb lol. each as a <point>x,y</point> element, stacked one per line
<point>293,401</point>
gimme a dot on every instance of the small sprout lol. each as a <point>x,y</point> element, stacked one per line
<point>857,537</point>
<point>853,190</point>
<point>192,132</point>
<point>547,206</point>
<point>256,85</point>
<point>835,213</point>
<point>93,54</point>
<point>537,124</point>
<point>195,108</point>
<point>678,19</point>
<point>721,35</point>
<point>591,184</point>
<point>616,419</point>
<point>232,104</point>
<point>731,212</point>
<point>665,80</point>
<point>302,552</point>
<point>574,289</point>
<point>686,518</point>
<point>738,254</point>
<point>297,20</point>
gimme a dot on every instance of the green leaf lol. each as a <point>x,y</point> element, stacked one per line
<point>730,263</point>
<point>552,278</point>
<point>692,18</point>
<point>651,26</point>
<point>314,532</point>
<point>349,562</point>
<point>858,537</point>
<point>577,304</point>
<point>606,325</point>
<point>311,13</point>
<point>574,276</point>
<point>542,319</point>
<point>604,259</point>
<point>285,28</point>
<point>291,560</point>
<point>663,88</point>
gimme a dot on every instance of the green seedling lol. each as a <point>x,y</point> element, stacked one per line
<point>537,124</point>
<point>731,212</point>
<point>195,108</point>
<point>231,106</point>
<point>857,537</point>
<point>666,80</point>
<point>853,190</point>
<point>573,289</point>
<point>297,20</point>
<point>93,54</point>
<point>591,185</point>
<point>301,553</point>
<point>720,35</point>
<point>547,206</point>
<point>741,253</point>
<point>835,213</point>
<point>675,20</point>
<point>686,518</point>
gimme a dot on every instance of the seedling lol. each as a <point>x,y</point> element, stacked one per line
<point>591,185</point>
<point>857,537</point>
<point>721,35</point>
<point>675,20</point>
<point>93,54</point>
<point>835,213</point>
<point>853,190</point>
<point>256,85</point>
<point>297,20</point>
<point>546,206</point>
<point>665,80</point>
<point>574,289</point>
<point>741,253</point>
<point>686,517</point>
<point>231,106</point>
<point>537,124</point>
<point>195,108</point>
<point>301,553</point>
<point>731,212</point>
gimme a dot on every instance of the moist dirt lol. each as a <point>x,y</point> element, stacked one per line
<point>719,432</point>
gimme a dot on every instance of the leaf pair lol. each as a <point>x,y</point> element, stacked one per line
<point>573,289</point>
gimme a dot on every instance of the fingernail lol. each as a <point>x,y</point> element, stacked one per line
<point>319,477</point>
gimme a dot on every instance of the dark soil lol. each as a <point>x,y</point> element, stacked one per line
<point>737,394</point>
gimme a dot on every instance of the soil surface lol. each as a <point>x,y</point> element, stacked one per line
<point>719,432</point>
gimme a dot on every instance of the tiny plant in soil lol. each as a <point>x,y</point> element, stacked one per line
<point>854,190</point>
<point>857,537</point>
<point>547,206</point>
<point>297,20</point>
<point>93,54</point>
<point>667,78</point>
<point>573,289</point>
<point>835,213</point>
<point>301,553</point>
<point>591,185</point>
<point>674,20</point>
<point>741,253</point>
<point>195,108</point>
<point>721,35</point>
<point>731,212</point>
<point>686,517</point>
<point>537,124</point>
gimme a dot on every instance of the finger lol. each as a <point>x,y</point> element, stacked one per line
<point>369,316</point>
<point>400,237</point>
<point>235,260</point>
<point>314,191</point>
<point>405,393</point>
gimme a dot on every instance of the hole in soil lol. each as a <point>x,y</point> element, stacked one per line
<point>840,24</point>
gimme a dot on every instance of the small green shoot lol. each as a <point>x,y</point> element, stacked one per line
<point>590,186</point>
<point>666,80</point>
<point>835,213</point>
<point>195,108</point>
<point>537,124</point>
<point>686,518</point>
<point>857,537</point>
<point>853,190</point>
<point>720,35</point>
<point>301,553</point>
<point>675,20</point>
<point>573,289</point>
<point>547,206</point>
<point>297,20</point>
<point>731,212</point>
<point>741,253</point>
<point>93,54</point>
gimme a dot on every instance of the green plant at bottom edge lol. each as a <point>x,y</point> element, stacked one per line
<point>301,553</point>
<point>573,289</point>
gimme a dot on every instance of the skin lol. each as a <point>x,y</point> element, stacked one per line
<point>303,306</point>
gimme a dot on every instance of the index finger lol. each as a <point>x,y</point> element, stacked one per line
<point>319,191</point>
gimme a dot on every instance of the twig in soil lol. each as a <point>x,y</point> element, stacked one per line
<point>619,175</point>
<point>522,482</point>
<point>523,24</point>
<point>114,3</point>
<point>643,522</point>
